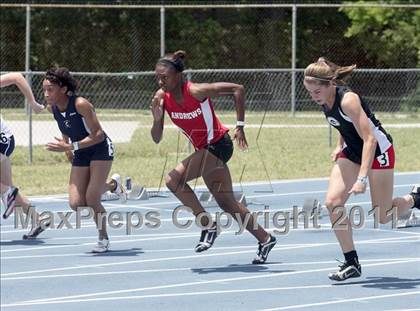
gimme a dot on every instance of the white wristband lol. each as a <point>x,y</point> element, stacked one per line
<point>240,123</point>
<point>362,179</point>
<point>75,145</point>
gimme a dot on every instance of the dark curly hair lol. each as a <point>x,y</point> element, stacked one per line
<point>62,77</point>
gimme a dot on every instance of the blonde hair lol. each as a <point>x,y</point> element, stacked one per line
<point>324,72</point>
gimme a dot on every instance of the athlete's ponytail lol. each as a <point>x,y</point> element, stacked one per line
<point>324,72</point>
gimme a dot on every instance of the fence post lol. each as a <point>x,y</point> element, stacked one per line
<point>329,135</point>
<point>28,76</point>
<point>189,76</point>
<point>293,86</point>
<point>162,31</point>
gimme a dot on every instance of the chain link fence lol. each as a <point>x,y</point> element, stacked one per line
<point>112,52</point>
<point>388,90</point>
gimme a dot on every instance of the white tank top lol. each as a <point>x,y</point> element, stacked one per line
<point>5,131</point>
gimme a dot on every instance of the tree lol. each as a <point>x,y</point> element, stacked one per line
<point>390,36</point>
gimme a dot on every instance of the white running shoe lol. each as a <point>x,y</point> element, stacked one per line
<point>119,189</point>
<point>101,247</point>
<point>9,200</point>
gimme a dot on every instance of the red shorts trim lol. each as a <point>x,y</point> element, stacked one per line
<point>382,162</point>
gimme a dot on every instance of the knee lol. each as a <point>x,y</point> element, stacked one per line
<point>173,180</point>
<point>334,205</point>
<point>93,199</point>
<point>76,199</point>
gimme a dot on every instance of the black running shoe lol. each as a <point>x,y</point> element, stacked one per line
<point>207,239</point>
<point>415,193</point>
<point>263,250</point>
<point>346,271</point>
<point>9,200</point>
<point>35,231</point>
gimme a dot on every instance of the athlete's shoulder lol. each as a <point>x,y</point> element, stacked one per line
<point>82,105</point>
<point>196,87</point>
<point>79,100</point>
<point>351,103</point>
<point>199,91</point>
<point>350,98</point>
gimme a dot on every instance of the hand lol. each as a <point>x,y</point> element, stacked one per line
<point>239,137</point>
<point>358,188</point>
<point>36,107</point>
<point>334,155</point>
<point>70,156</point>
<point>157,108</point>
<point>59,146</point>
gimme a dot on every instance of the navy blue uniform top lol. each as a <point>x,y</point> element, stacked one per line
<point>70,122</point>
<point>343,123</point>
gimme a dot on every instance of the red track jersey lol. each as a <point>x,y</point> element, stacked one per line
<point>196,119</point>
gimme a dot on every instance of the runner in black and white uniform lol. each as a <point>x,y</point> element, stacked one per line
<point>73,125</point>
<point>364,152</point>
<point>11,195</point>
<point>353,143</point>
<point>86,145</point>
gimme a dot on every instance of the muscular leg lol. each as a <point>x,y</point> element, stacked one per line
<point>217,177</point>
<point>381,189</point>
<point>342,178</point>
<point>176,181</point>
<point>79,180</point>
<point>99,171</point>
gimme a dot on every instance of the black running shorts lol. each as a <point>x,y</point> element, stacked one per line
<point>222,149</point>
<point>103,151</point>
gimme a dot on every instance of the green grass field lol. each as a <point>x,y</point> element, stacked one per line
<point>283,153</point>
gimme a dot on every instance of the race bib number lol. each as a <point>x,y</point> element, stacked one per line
<point>383,159</point>
<point>3,138</point>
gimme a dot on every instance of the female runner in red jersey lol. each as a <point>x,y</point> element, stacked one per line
<point>189,107</point>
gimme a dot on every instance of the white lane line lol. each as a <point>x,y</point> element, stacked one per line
<point>186,235</point>
<point>271,265</point>
<point>387,240</point>
<point>308,192</point>
<point>396,231</point>
<point>199,256</point>
<point>247,183</point>
<point>172,250</point>
<point>143,235</point>
<point>234,291</point>
<point>81,298</point>
<point>324,303</point>
<point>149,205</point>
<point>120,263</point>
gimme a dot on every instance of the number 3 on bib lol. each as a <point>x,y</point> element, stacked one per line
<point>383,159</point>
